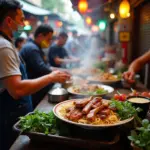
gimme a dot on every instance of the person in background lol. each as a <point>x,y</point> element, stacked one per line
<point>73,46</point>
<point>136,66</point>
<point>15,87</point>
<point>36,60</point>
<point>58,57</point>
<point>19,42</point>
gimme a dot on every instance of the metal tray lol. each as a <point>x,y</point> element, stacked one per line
<point>76,136</point>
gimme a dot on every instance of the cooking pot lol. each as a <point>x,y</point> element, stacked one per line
<point>57,95</point>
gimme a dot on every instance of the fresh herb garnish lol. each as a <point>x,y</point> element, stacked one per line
<point>125,109</point>
<point>141,136</point>
<point>39,122</point>
<point>96,92</point>
<point>100,91</point>
<point>119,75</point>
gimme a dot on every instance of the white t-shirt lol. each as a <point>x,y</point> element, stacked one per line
<point>9,60</point>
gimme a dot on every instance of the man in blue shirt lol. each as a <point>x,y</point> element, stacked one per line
<point>58,57</point>
<point>35,59</point>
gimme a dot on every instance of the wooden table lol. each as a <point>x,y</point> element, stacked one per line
<point>24,143</point>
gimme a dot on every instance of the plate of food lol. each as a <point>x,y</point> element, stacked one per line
<point>90,89</point>
<point>105,78</point>
<point>93,112</point>
<point>85,71</point>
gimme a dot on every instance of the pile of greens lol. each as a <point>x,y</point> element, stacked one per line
<point>100,65</point>
<point>100,91</point>
<point>38,122</point>
<point>141,136</point>
<point>125,109</point>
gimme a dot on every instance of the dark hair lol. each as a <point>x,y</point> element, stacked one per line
<point>8,8</point>
<point>19,40</point>
<point>63,35</point>
<point>43,29</point>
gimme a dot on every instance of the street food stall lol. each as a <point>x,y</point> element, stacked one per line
<point>86,120</point>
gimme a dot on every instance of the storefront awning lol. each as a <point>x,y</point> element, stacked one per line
<point>35,10</point>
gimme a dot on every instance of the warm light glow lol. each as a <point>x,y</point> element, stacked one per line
<point>124,9</point>
<point>88,20</point>
<point>59,24</point>
<point>83,6</point>
<point>26,23</point>
<point>128,14</point>
<point>112,16</point>
<point>95,28</point>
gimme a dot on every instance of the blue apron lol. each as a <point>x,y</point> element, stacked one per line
<point>10,111</point>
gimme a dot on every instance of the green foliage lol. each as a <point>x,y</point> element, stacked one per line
<point>96,92</point>
<point>125,109</point>
<point>100,91</point>
<point>141,136</point>
<point>39,122</point>
<point>121,70</point>
<point>54,4</point>
<point>100,65</point>
<point>119,75</point>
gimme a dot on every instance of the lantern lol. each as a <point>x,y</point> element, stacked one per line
<point>88,20</point>
<point>83,6</point>
<point>124,9</point>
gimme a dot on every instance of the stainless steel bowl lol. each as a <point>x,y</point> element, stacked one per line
<point>57,95</point>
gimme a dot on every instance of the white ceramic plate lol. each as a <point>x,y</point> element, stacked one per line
<point>57,113</point>
<point>106,87</point>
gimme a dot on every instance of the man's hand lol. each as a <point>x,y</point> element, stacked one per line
<point>59,76</point>
<point>129,76</point>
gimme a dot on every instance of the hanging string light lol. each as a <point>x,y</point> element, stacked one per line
<point>124,9</point>
<point>83,6</point>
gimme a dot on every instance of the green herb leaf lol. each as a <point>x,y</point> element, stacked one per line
<point>39,122</point>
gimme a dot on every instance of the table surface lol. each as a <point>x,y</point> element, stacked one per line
<point>24,143</point>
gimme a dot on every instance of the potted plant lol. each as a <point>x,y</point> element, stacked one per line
<point>140,137</point>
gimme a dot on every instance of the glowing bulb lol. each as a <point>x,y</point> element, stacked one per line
<point>88,20</point>
<point>128,15</point>
<point>112,16</point>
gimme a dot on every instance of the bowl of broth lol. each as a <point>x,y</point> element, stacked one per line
<point>142,102</point>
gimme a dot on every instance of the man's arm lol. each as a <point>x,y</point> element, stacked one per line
<point>18,88</point>
<point>68,59</point>
<point>60,61</point>
<point>135,66</point>
<point>10,76</point>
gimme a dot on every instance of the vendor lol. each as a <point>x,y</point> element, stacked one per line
<point>58,56</point>
<point>136,66</point>
<point>15,88</point>
<point>36,60</point>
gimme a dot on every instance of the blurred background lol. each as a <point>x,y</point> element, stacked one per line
<point>112,31</point>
